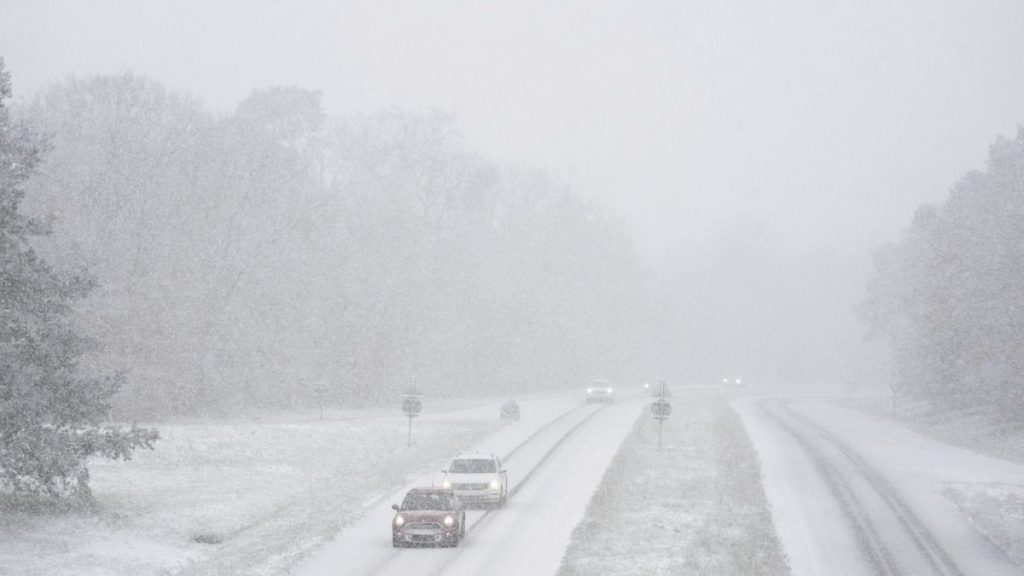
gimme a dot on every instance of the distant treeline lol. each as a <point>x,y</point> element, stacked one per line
<point>279,257</point>
<point>950,294</point>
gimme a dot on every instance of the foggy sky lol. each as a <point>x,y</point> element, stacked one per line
<point>825,124</point>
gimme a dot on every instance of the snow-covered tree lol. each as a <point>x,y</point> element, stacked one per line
<point>50,413</point>
<point>950,294</point>
<point>275,256</point>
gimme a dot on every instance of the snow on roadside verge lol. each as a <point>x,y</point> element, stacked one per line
<point>696,507</point>
<point>979,429</point>
<point>997,510</point>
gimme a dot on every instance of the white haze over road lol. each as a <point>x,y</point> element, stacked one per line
<point>757,152</point>
<point>826,123</point>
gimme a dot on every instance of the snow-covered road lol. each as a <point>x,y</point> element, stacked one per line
<point>855,494</point>
<point>554,469</point>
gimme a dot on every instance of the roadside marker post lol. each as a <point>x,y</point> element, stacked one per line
<point>322,394</point>
<point>661,409</point>
<point>411,406</point>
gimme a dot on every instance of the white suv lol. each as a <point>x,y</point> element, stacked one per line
<point>599,391</point>
<point>477,479</point>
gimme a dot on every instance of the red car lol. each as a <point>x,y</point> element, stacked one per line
<point>428,517</point>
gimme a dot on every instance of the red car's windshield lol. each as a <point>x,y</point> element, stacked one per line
<point>427,502</point>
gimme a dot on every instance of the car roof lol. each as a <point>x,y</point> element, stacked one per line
<point>429,490</point>
<point>600,381</point>
<point>474,456</point>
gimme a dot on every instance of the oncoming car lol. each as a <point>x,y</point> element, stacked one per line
<point>477,479</point>
<point>600,391</point>
<point>429,517</point>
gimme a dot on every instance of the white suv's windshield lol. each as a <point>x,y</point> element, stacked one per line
<point>473,466</point>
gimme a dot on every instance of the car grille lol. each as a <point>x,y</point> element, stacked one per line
<point>470,486</point>
<point>423,527</point>
<point>422,533</point>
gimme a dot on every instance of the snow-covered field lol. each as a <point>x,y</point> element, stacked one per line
<point>264,491</point>
<point>695,507</point>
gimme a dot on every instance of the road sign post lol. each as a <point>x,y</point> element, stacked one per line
<point>411,406</point>
<point>661,409</point>
<point>322,392</point>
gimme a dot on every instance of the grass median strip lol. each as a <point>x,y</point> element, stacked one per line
<point>695,507</point>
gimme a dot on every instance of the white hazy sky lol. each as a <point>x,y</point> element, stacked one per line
<point>825,123</point>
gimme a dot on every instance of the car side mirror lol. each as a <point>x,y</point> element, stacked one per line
<point>443,471</point>
<point>395,507</point>
<point>503,471</point>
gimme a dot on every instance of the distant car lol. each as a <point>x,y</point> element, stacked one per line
<point>510,410</point>
<point>428,517</point>
<point>600,391</point>
<point>477,479</point>
<point>732,381</point>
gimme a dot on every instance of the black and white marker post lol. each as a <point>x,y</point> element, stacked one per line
<point>411,405</point>
<point>661,409</point>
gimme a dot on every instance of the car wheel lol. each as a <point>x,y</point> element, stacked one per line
<point>503,500</point>
<point>396,543</point>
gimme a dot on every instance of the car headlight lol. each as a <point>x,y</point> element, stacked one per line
<point>449,520</point>
<point>590,390</point>
<point>446,484</point>
<point>609,390</point>
<point>495,484</point>
<point>399,520</point>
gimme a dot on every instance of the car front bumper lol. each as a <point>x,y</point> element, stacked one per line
<point>488,496</point>
<point>425,536</point>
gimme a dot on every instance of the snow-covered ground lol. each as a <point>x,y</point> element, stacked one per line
<point>590,494</point>
<point>694,507</point>
<point>268,491</point>
<point>978,428</point>
<point>856,494</point>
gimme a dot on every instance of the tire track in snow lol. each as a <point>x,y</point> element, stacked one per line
<point>835,461</point>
